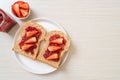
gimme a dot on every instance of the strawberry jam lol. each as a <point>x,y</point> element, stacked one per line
<point>1,18</point>
<point>49,53</point>
<point>6,22</point>
<point>25,38</point>
<point>56,36</point>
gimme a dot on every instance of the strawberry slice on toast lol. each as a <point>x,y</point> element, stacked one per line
<point>53,56</point>
<point>54,48</point>
<point>58,41</point>
<point>31,33</point>
<point>31,40</point>
<point>27,46</point>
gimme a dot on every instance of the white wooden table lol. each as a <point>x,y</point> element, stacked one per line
<point>94,26</point>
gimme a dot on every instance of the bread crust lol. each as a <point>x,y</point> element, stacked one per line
<point>40,56</point>
<point>16,47</point>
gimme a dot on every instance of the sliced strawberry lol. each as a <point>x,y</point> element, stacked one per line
<point>24,12</point>
<point>19,2</point>
<point>58,41</point>
<point>53,56</point>
<point>54,48</point>
<point>31,40</point>
<point>27,46</point>
<point>16,9</point>
<point>24,6</point>
<point>31,33</point>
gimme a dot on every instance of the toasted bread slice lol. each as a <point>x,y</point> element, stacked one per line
<point>40,56</point>
<point>17,48</point>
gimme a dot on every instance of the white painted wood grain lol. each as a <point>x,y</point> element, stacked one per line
<point>94,26</point>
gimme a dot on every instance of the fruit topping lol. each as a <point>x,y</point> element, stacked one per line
<point>52,57</point>
<point>54,37</point>
<point>54,48</point>
<point>31,33</point>
<point>27,46</point>
<point>58,41</point>
<point>31,40</point>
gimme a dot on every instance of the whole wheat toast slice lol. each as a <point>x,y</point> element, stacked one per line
<point>40,56</point>
<point>16,47</point>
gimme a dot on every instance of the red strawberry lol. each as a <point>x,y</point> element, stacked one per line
<point>27,46</point>
<point>16,9</point>
<point>31,40</point>
<point>24,12</point>
<point>31,33</point>
<point>58,41</point>
<point>54,48</point>
<point>19,2</point>
<point>20,9</point>
<point>24,6</point>
<point>53,56</point>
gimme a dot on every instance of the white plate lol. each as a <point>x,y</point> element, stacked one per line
<point>35,66</point>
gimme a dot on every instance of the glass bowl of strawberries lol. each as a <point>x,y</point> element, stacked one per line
<point>21,9</point>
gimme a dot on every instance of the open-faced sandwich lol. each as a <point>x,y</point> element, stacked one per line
<point>29,39</point>
<point>57,43</point>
